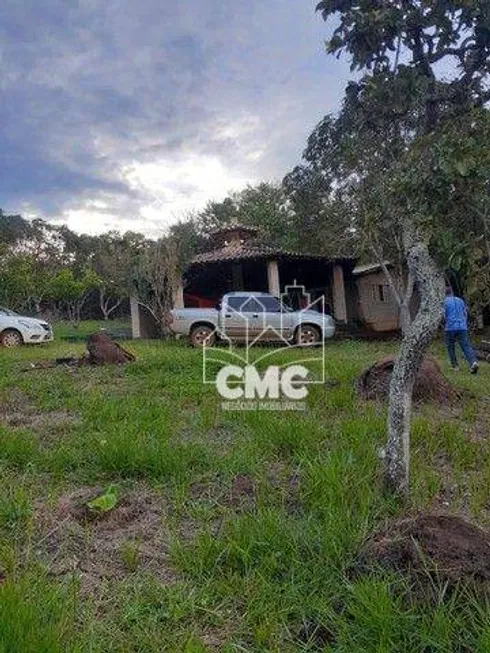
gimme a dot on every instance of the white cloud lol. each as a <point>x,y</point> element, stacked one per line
<point>164,191</point>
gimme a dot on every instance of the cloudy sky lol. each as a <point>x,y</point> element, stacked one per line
<point>127,113</point>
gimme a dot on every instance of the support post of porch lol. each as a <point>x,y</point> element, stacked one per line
<point>339,300</point>
<point>273,278</point>
<point>179,296</point>
<point>237,276</point>
<point>135,317</point>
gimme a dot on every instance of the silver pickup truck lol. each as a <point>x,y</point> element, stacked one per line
<point>251,317</point>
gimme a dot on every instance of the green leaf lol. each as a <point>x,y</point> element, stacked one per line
<point>462,168</point>
<point>105,502</point>
<point>456,262</point>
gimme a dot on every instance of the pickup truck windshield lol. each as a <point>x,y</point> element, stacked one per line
<point>247,304</point>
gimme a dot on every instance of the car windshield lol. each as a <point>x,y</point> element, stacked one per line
<point>7,311</point>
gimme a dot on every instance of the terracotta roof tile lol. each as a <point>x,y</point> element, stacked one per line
<point>235,251</point>
<point>241,251</point>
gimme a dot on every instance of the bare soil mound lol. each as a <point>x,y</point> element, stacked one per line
<point>446,545</point>
<point>103,350</point>
<point>430,384</point>
<point>109,546</point>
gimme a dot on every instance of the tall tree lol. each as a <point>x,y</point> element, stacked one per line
<point>32,252</point>
<point>414,40</point>
<point>188,237</point>
<point>216,214</point>
<point>357,151</point>
<point>320,220</point>
<point>71,291</point>
<point>264,206</point>
<point>112,261</point>
<point>157,277</point>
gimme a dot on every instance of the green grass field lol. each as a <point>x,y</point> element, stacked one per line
<point>65,330</point>
<point>234,531</point>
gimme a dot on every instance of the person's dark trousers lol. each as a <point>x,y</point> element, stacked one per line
<point>452,337</point>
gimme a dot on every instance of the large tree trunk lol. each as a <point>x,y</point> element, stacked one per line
<point>405,318</point>
<point>430,285</point>
<point>405,312</point>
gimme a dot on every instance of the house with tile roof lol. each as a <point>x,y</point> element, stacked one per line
<point>238,260</point>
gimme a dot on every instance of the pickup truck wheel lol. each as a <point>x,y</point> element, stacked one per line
<point>308,335</point>
<point>11,338</point>
<point>201,336</point>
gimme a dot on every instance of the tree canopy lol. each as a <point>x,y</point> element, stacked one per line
<point>398,143</point>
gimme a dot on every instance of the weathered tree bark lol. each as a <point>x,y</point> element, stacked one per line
<point>405,313</point>
<point>430,285</point>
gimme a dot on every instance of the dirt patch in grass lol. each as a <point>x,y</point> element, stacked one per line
<point>243,492</point>
<point>445,546</point>
<point>13,398</point>
<point>448,492</point>
<point>14,402</point>
<point>109,546</point>
<point>52,420</point>
<point>105,380</point>
<point>239,494</point>
<point>16,411</point>
<point>219,438</point>
<point>288,483</point>
<point>218,498</point>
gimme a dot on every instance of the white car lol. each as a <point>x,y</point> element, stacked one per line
<point>18,330</point>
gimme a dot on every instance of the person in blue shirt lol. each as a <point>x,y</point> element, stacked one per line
<point>456,330</point>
